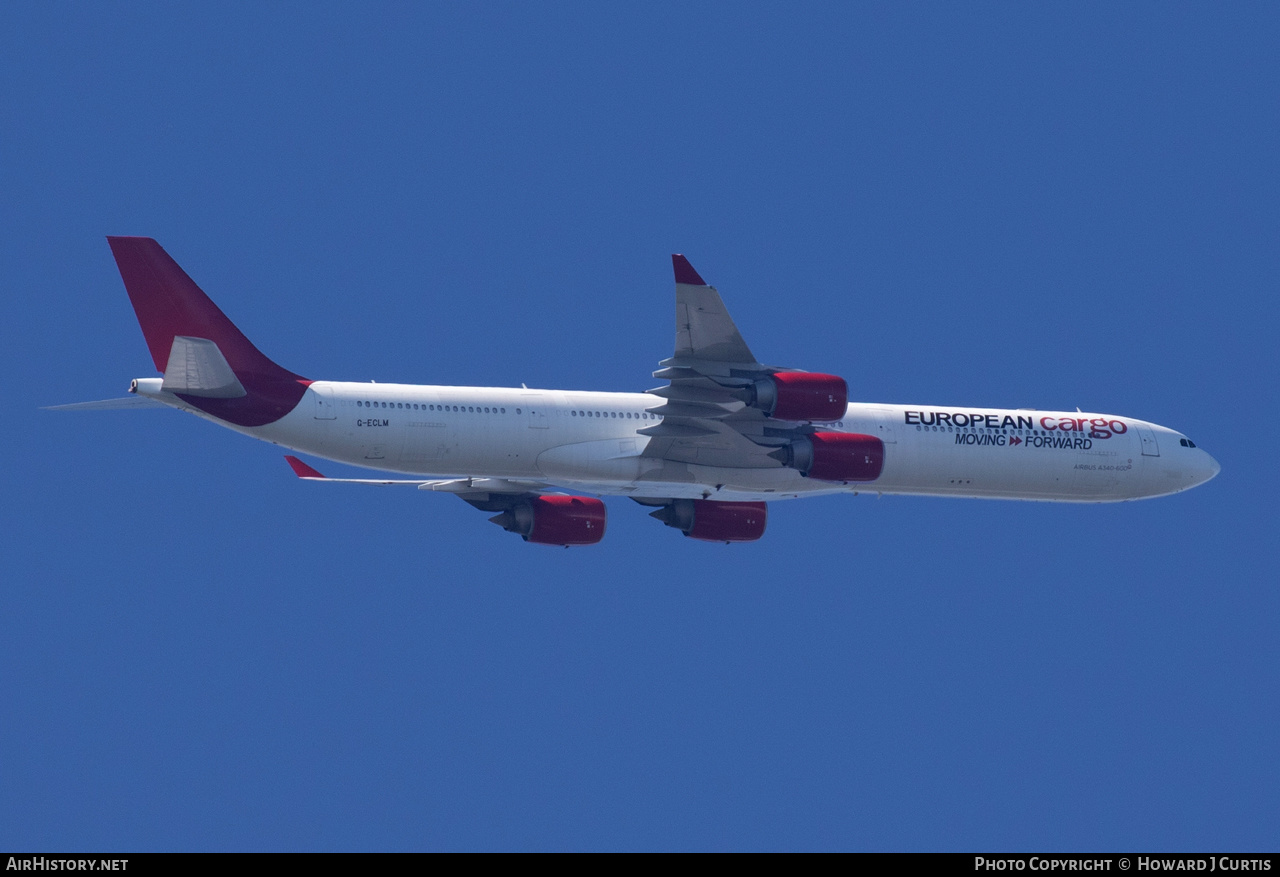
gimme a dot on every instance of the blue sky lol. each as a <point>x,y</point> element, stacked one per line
<point>989,205</point>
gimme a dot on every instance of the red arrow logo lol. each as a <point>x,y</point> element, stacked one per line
<point>1015,441</point>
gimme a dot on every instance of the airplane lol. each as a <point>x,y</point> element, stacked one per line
<point>706,451</point>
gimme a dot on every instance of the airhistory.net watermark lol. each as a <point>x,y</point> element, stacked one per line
<point>42,863</point>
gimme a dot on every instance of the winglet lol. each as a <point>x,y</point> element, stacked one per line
<point>685,272</point>
<point>301,469</point>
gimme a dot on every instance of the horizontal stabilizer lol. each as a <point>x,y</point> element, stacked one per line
<point>121,404</point>
<point>197,368</point>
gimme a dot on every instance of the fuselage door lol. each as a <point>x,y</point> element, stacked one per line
<point>884,425</point>
<point>324,405</point>
<point>536,411</point>
<point>1149,446</point>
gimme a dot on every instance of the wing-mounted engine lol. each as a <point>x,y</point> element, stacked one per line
<point>542,518</point>
<point>555,520</point>
<point>713,521</point>
<point>801,396</point>
<point>834,456</point>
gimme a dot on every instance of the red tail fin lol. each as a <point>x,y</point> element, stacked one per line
<point>168,304</point>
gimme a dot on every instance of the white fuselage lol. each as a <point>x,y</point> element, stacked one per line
<point>590,442</point>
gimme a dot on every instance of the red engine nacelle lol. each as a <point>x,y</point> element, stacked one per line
<point>801,396</point>
<point>834,456</point>
<point>556,520</point>
<point>714,521</point>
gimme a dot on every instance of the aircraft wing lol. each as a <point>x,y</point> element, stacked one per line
<point>704,330</point>
<point>467,488</point>
<point>705,414</point>
<point>532,509</point>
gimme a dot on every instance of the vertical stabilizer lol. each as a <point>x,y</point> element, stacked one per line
<point>170,306</point>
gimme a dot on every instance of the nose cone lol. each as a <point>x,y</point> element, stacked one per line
<point>1206,468</point>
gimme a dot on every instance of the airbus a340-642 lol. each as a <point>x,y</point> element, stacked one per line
<point>723,436</point>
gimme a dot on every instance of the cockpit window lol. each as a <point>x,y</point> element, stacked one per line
<point>1186,443</point>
